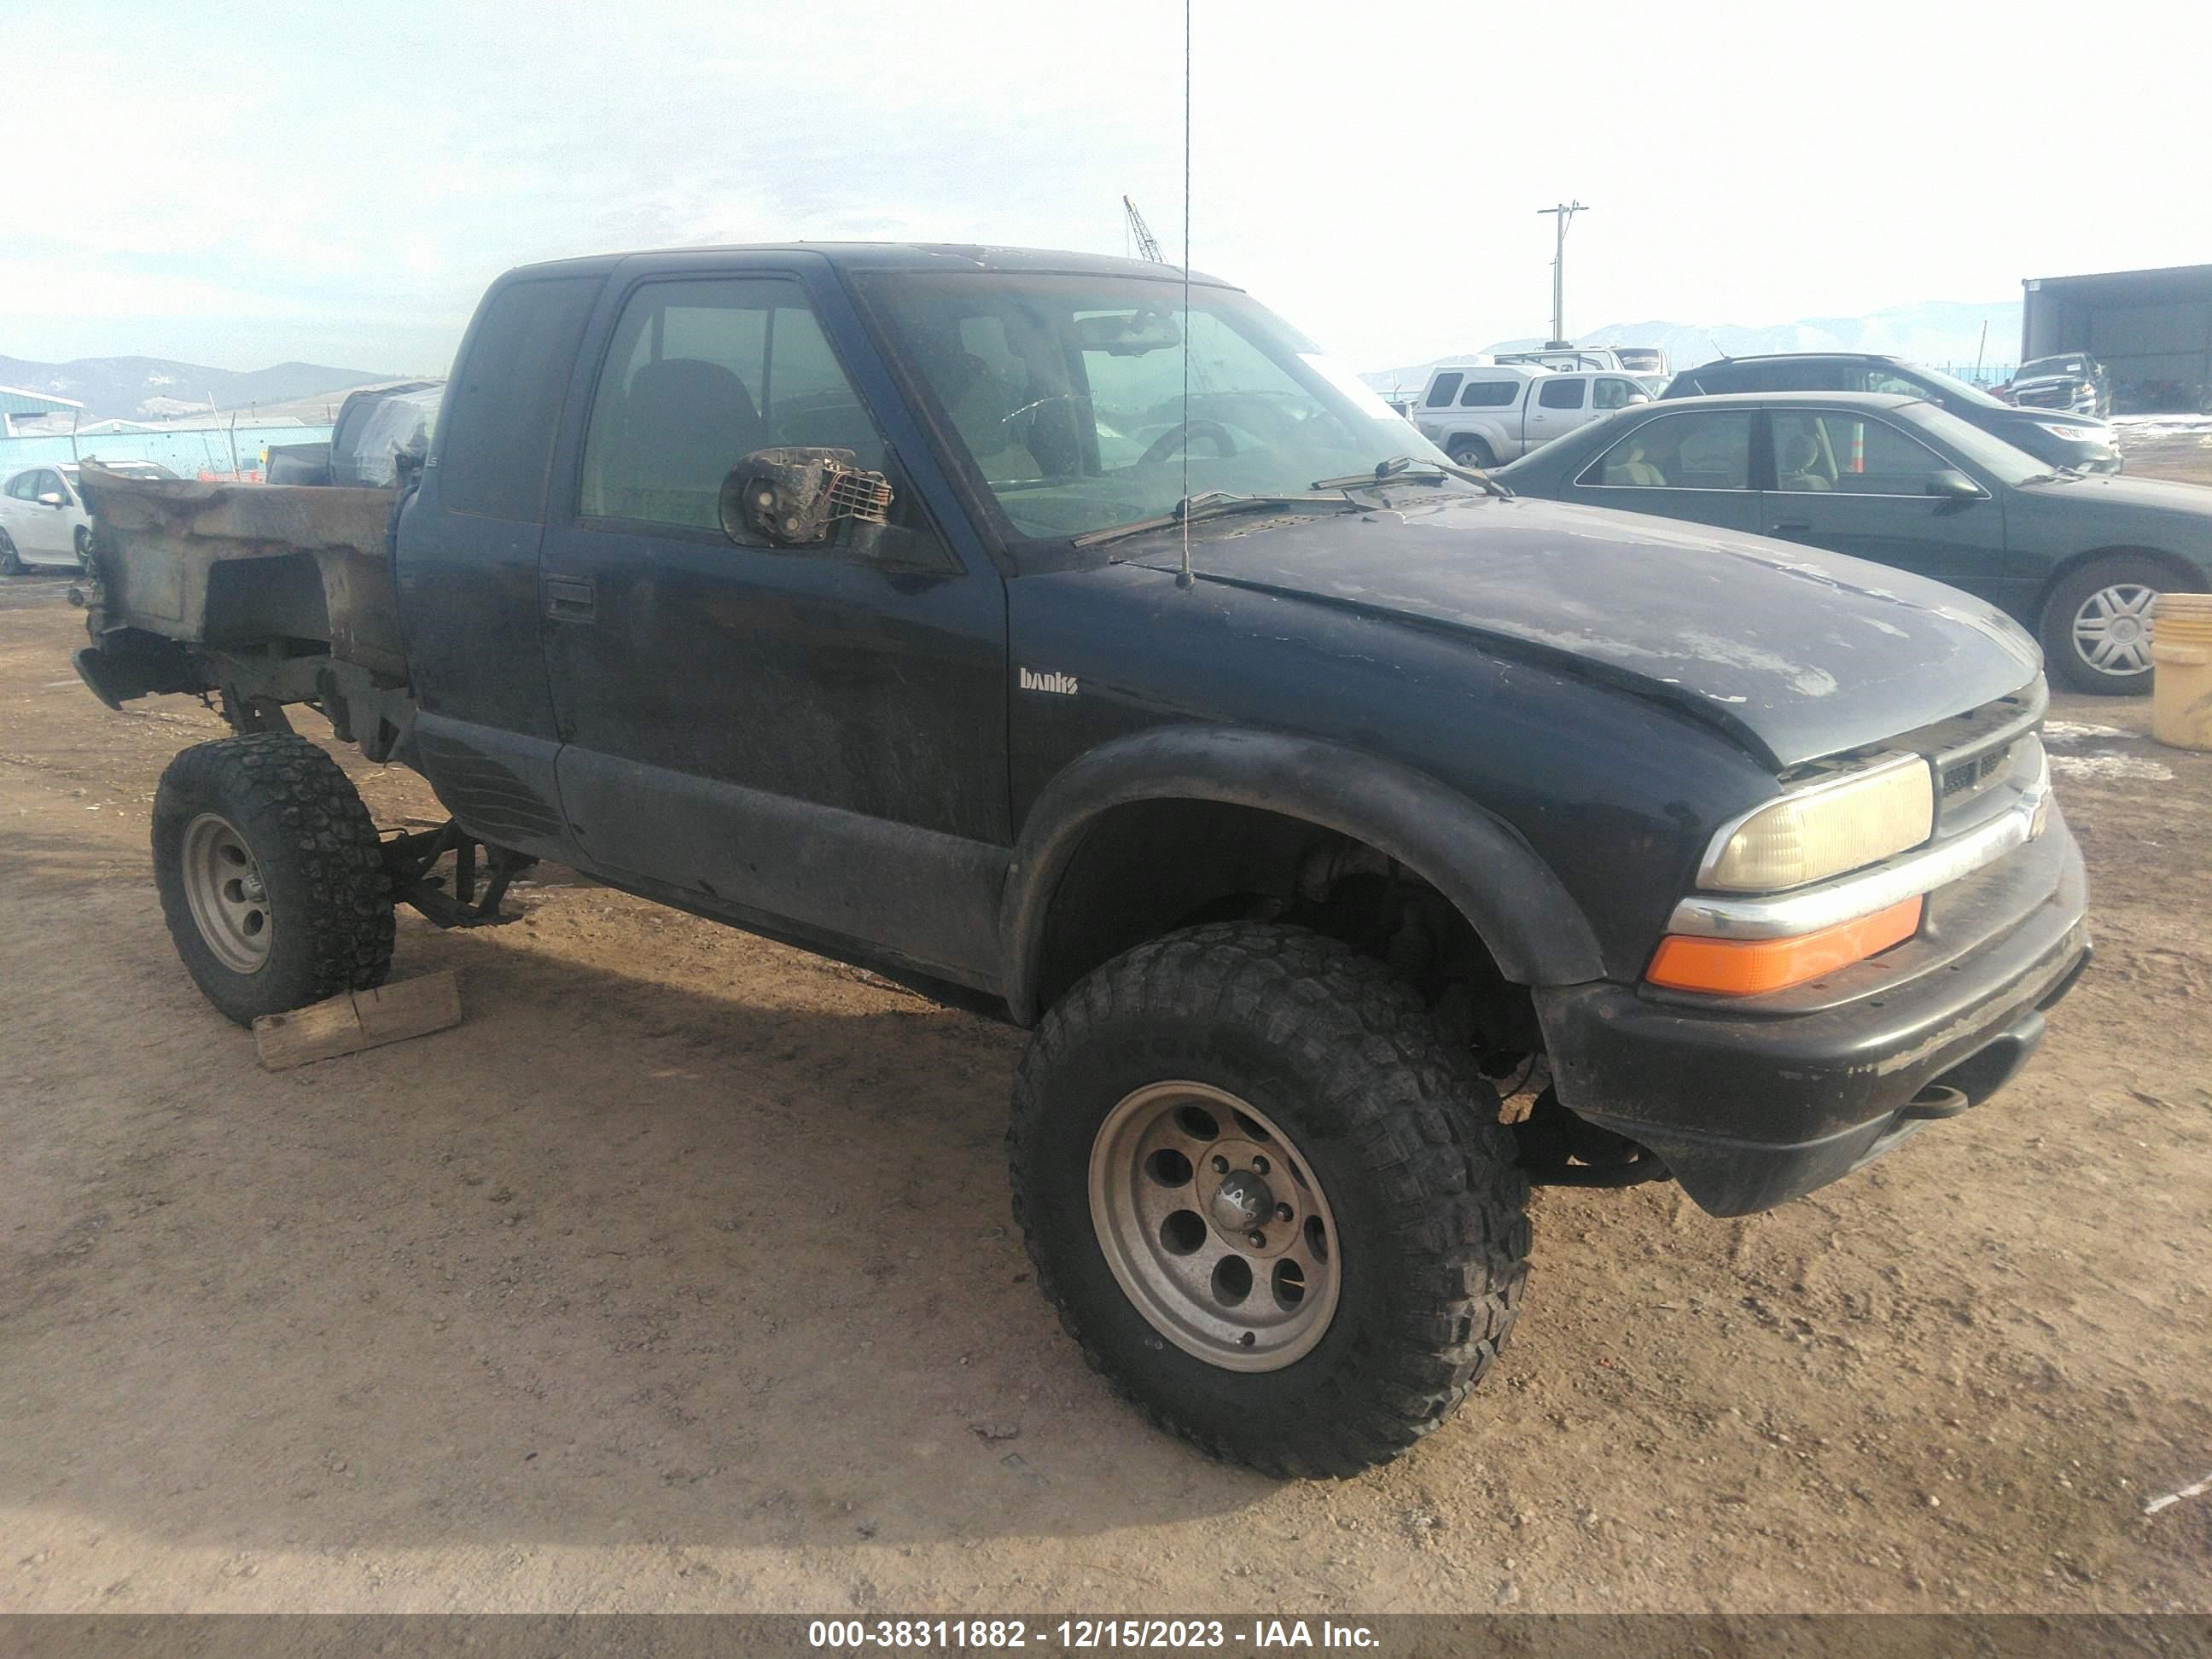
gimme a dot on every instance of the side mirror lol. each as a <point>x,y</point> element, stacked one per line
<point>1635,397</point>
<point>53,498</point>
<point>795,498</point>
<point>1953,485</point>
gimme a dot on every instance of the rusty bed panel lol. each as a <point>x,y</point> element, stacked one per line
<point>171,552</point>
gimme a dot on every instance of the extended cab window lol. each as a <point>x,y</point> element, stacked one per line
<point>1491,394</point>
<point>504,407</point>
<point>1562,394</point>
<point>1441,390</point>
<point>1850,455</point>
<point>1679,452</point>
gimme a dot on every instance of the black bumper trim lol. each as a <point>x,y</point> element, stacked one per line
<point>1750,1111</point>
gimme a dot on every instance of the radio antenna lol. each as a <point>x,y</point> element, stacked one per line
<point>1183,580</point>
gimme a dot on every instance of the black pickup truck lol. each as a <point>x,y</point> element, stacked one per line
<point>1076,644</point>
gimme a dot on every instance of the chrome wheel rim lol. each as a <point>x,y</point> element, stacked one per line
<point>1215,1227</point>
<point>229,899</point>
<point>2112,630</point>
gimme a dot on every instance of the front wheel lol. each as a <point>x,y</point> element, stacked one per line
<point>84,548</point>
<point>1270,1201</point>
<point>269,874</point>
<point>2096,625</point>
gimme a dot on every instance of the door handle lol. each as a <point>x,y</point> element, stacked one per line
<point>571,599</point>
<point>1792,529</point>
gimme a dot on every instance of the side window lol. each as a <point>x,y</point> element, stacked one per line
<point>1490,394</point>
<point>1563,394</point>
<point>1679,452</point>
<point>1442,390</point>
<point>701,374</point>
<point>503,409</point>
<point>1849,455</point>
<point>49,483</point>
<point>1883,380</point>
<point>19,487</point>
<point>1610,394</point>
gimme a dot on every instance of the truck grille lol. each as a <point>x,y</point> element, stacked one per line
<point>1970,777</point>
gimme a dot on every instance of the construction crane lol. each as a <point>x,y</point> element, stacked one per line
<point>1143,232</point>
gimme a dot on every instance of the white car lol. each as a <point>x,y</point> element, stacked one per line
<point>43,519</point>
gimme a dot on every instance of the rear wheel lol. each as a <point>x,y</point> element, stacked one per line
<point>2096,625</point>
<point>270,878</point>
<point>1268,1198</point>
<point>11,561</point>
<point>1472,452</point>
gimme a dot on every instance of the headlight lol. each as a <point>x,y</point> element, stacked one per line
<point>1824,829</point>
<point>2073,434</point>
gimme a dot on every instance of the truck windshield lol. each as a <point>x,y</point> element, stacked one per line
<point>1065,395</point>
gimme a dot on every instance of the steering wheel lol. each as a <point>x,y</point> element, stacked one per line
<point>1180,437</point>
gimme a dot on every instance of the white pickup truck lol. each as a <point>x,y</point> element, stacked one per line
<point>1486,414</point>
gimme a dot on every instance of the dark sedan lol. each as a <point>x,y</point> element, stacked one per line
<point>2077,559</point>
<point>2055,437</point>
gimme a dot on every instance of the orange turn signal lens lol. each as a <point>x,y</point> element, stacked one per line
<point>1749,967</point>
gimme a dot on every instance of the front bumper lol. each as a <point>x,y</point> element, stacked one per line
<point>1750,1106</point>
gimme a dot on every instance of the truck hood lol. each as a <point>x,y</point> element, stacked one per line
<point>1795,653</point>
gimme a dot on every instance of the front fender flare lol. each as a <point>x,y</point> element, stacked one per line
<point>1532,927</point>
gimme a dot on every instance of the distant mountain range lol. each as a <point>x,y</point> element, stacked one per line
<point>149,388</point>
<point>1942,333</point>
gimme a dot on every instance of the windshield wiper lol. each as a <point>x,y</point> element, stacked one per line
<point>1412,466</point>
<point>1206,504</point>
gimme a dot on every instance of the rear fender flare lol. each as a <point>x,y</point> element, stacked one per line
<point>1532,927</point>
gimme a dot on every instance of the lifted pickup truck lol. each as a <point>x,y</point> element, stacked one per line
<point>910,604</point>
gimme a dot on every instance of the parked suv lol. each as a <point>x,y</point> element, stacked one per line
<point>1487,415</point>
<point>2082,442</point>
<point>916,605</point>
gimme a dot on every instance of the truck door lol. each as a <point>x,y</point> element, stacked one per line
<point>1850,481</point>
<point>809,741</point>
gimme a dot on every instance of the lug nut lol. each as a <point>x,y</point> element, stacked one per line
<point>1282,1212</point>
<point>1256,1239</point>
<point>1260,1165</point>
<point>1221,1166</point>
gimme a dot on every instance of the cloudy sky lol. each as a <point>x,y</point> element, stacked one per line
<point>336,184</point>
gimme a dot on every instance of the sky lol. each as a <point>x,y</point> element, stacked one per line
<point>337,183</point>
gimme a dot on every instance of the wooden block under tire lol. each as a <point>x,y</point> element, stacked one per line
<point>359,1020</point>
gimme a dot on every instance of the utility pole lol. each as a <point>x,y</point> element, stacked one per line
<point>1564,212</point>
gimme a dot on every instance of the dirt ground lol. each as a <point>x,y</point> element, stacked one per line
<point>679,1277</point>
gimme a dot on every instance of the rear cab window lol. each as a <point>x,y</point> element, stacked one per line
<point>1491,394</point>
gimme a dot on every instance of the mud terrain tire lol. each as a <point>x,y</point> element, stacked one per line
<point>1394,1127</point>
<point>298,831</point>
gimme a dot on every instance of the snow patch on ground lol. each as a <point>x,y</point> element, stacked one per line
<point>2078,732</point>
<point>2111,768</point>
